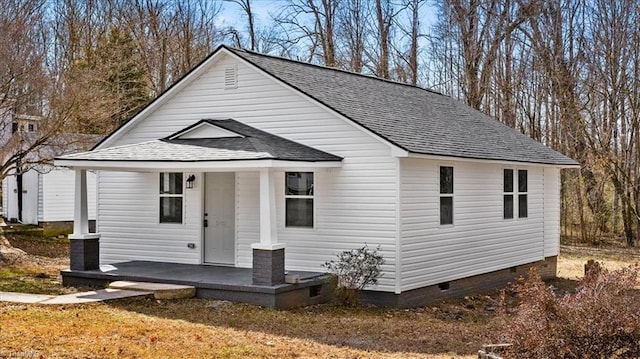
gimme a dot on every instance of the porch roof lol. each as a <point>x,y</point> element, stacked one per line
<point>249,149</point>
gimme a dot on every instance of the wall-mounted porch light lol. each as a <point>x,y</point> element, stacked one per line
<point>191,180</point>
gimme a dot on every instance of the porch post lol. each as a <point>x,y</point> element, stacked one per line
<point>84,246</point>
<point>268,255</point>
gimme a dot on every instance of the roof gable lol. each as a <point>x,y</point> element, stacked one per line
<point>203,129</point>
<point>410,118</point>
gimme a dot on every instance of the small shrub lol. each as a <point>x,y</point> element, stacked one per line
<point>600,320</point>
<point>354,270</point>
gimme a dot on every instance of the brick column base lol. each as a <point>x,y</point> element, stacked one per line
<point>268,267</point>
<point>85,253</point>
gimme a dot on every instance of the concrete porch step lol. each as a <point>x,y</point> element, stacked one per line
<point>159,290</point>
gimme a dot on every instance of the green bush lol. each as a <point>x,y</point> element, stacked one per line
<point>354,270</point>
<point>601,319</point>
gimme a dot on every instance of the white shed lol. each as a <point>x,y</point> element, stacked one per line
<point>47,196</point>
<point>250,156</point>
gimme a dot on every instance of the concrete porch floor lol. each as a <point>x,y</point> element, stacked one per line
<point>216,282</point>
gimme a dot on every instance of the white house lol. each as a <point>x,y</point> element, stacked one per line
<point>250,160</point>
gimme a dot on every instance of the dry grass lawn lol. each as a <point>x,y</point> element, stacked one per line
<point>197,328</point>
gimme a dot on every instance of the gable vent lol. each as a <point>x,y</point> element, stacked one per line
<point>230,77</point>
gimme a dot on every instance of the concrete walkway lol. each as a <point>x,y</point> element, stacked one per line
<point>74,298</point>
<point>116,290</point>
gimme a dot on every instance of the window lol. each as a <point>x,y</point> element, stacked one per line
<point>31,127</point>
<point>522,194</point>
<point>508,193</point>
<point>299,199</point>
<point>446,195</point>
<point>171,197</point>
<point>14,127</point>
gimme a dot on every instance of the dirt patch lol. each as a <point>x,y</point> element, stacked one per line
<point>32,265</point>
<point>40,246</point>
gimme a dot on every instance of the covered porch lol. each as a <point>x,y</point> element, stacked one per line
<point>215,282</point>
<point>210,149</point>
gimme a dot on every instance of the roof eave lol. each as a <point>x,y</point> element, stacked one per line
<point>490,160</point>
<point>201,166</point>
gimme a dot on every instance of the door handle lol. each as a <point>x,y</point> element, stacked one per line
<point>206,223</point>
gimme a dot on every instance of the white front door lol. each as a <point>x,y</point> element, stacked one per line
<point>219,215</point>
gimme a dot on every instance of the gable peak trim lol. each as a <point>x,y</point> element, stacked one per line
<point>204,129</point>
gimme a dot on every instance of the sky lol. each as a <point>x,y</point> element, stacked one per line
<point>233,15</point>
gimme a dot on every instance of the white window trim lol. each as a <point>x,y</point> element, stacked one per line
<point>452,195</point>
<point>513,193</point>
<point>517,193</point>
<point>160,195</point>
<point>284,204</point>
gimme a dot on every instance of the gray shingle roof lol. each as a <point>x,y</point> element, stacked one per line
<point>253,145</point>
<point>254,140</point>
<point>417,120</point>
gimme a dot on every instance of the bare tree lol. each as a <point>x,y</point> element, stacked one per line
<point>483,25</point>
<point>384,21</point>
<point>613,82</point>
<point>245,5</point>
<point>310,23</point>
<point>352,22</point>
<point>31,87</point>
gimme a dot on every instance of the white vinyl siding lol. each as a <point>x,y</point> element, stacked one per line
<point>481,240</point>
<point>551,211</point>
<point>5,197</point>
<point>40,198</point>
<point>58,192</point>
<point>354,204</point>
<point>128,221</point>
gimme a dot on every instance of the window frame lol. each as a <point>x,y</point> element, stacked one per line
<point>442,195</point>
<point>312,197</point>
<point>170,195</point>
<point>506,193</point>
<point>523,193</point>
<point>515,193</point>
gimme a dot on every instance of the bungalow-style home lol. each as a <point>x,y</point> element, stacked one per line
<point>272,166</point>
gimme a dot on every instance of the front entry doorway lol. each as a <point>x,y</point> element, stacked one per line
<point>219,218</point>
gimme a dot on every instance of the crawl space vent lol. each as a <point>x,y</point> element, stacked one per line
<point>230,78</point>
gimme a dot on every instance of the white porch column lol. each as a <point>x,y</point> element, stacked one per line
<point>268,224</point>
<point>268,255</point>
<point>80,214</point>
<point>84,246</point>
